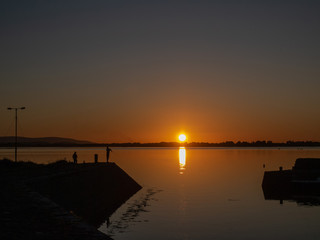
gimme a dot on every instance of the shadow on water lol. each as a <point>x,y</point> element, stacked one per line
<point>131,212</point>
<point>300,185</point>
<point>302,198</point>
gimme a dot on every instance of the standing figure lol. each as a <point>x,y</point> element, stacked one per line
<point>75,157</point>
<point>108,150</point>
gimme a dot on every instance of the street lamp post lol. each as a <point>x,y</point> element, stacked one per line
<point>16,131</point>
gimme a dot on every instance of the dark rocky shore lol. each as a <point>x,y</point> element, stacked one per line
<point>60,200</point>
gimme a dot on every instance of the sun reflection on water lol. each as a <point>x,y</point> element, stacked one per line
<point>182,159</point>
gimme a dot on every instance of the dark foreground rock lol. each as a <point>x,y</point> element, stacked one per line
<point>61,200</point>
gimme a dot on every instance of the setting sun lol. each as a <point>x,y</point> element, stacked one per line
<point>182,137</point>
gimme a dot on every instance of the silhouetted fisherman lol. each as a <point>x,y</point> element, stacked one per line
<point>75,157</point>
<point>108,150</point>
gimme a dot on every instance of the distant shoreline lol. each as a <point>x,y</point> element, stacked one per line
<point>176,145</point>
<point>9,142</point>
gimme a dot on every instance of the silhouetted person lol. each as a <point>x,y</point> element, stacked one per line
<point>108,150</point>
<point>75,157</point>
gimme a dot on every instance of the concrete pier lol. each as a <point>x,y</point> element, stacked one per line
<point>61,200</point>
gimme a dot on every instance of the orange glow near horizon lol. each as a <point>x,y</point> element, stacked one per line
<point>142,86</point>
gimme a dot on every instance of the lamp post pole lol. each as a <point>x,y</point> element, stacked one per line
<point>16,131</point>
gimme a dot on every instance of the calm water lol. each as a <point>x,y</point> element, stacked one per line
<point>198,193</point>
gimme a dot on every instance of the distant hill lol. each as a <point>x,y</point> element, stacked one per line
<point>45,141</point>
<point>69,142</point>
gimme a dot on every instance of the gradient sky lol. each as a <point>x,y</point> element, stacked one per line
<point>123,71</point>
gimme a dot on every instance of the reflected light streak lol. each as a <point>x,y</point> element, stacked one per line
<point>182,159</point>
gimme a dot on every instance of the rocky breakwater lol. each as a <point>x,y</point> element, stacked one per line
<point>60,200</point>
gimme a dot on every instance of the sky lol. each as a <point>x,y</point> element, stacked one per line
<point>145,71</point>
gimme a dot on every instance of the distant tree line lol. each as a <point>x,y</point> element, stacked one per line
<point>256,144</point>
<point>168,144</point>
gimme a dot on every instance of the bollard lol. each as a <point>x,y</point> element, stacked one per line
<point>96,158</point>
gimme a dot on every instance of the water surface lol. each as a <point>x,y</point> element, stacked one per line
<point>198,193</point>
